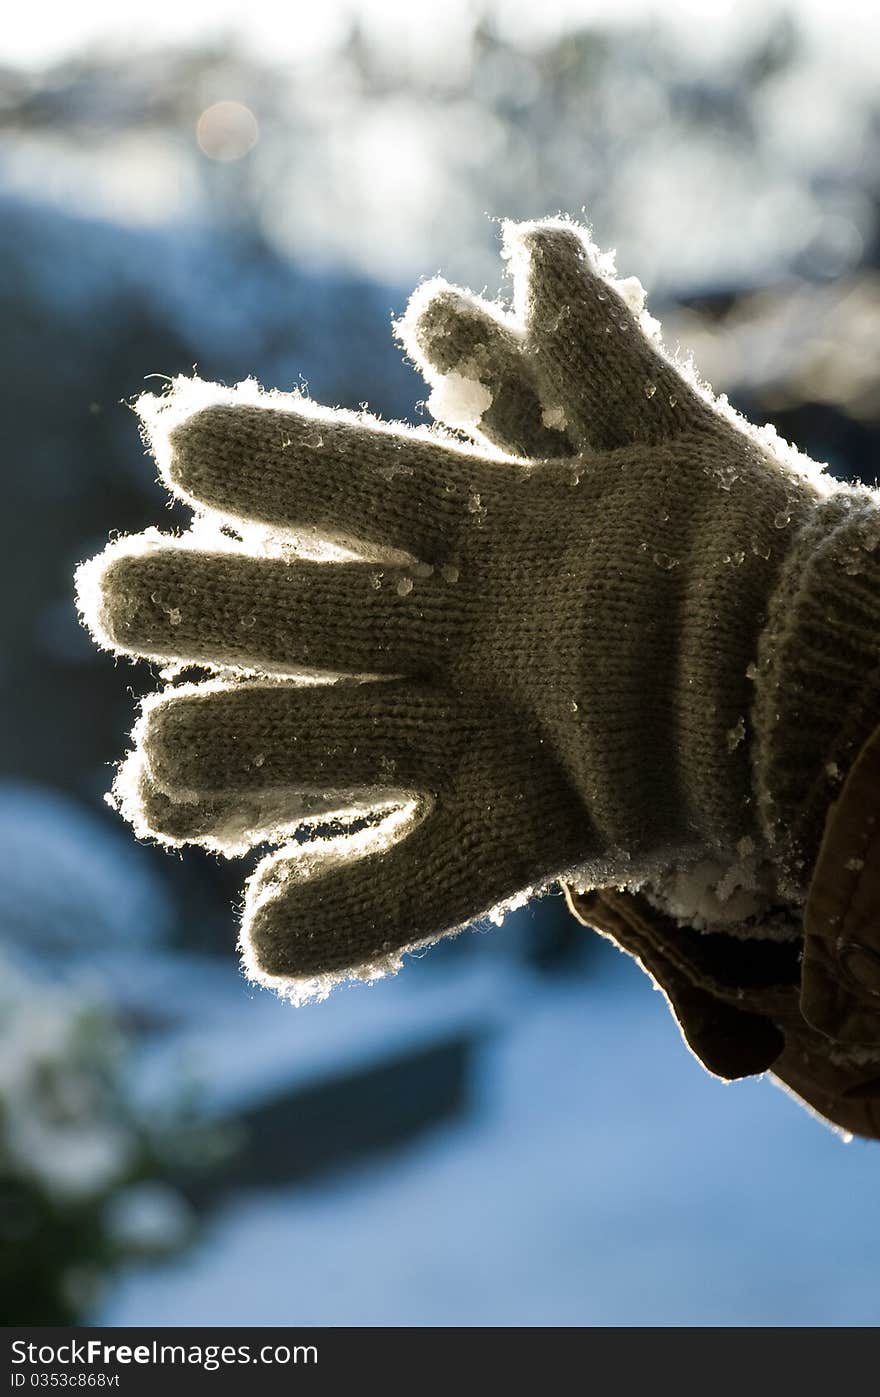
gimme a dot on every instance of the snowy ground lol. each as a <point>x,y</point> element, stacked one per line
<point>603,1178</point>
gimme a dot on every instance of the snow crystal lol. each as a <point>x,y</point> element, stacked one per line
<point>736,734</point>
<point>476,507</point>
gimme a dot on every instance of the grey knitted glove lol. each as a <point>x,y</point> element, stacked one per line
<point>597,662</point>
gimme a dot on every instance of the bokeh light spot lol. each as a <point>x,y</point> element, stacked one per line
<point>226,131</point>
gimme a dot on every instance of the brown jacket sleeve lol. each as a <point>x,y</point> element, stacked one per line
<point>809,1011</point>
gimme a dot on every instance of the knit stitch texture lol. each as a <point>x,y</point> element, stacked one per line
<point>558,647</point>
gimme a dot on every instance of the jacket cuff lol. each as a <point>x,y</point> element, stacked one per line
<point>817,677</point>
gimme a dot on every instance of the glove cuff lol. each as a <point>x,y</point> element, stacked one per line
<point>817,680</point>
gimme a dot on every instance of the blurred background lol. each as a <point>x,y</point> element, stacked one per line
<point>511,1131</point>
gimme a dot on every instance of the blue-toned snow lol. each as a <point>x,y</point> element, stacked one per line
<point>602,1178</point>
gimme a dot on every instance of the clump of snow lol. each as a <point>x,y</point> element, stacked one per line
<point>705,895</point>
<point>499,913</point>
<point>736,896</point>
<point>460,402</point>
<point>632,293</point>
<point>554,418</point>
<point>460,397</point>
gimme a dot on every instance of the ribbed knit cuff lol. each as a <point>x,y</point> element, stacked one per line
<point>817,680</point>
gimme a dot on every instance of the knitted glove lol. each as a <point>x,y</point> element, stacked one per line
<point>603,660</point>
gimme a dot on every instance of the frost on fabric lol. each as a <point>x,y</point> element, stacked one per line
<point>161,414</point>
<point>206,535</point>
<point>96,598</point>
<point>460,396</point>
<point>631,292</point>
<point>715,895</point>
<point>228,826</point>
<point>279,875</point>
<point>515,251</point>
<point>736,895</point>
<point>92,597</point>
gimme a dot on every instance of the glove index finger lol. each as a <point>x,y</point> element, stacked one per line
<point>596,352</point>
<point>472,356</point>
<point>302,471</point>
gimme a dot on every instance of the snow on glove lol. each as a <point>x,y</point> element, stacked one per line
<point>595,659</point>
<point>816,681</point>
